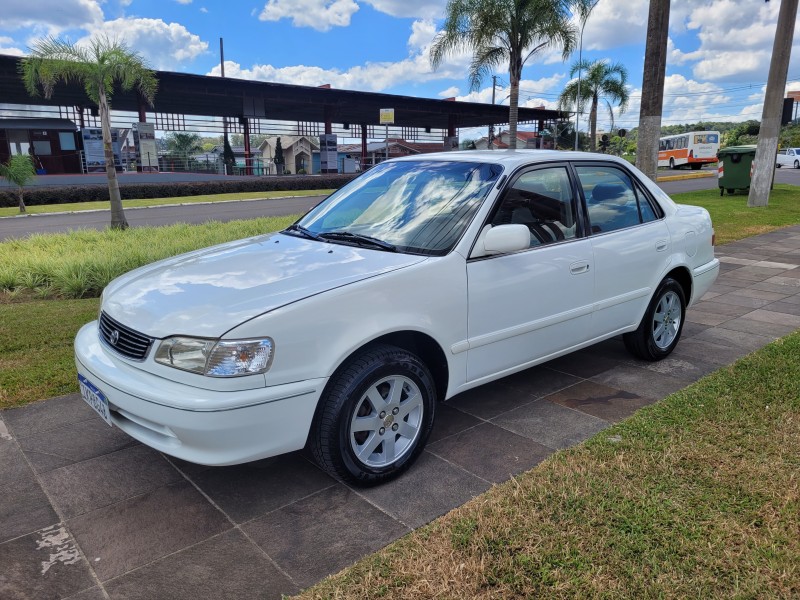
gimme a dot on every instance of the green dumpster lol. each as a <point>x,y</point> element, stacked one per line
<point>735,168</point>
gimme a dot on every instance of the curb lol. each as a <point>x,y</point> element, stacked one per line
<point>687,176</point>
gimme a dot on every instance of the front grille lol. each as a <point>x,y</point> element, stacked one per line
<point>123,339</point>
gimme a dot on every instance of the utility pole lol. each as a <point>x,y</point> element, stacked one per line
<point>655,64</point>
<point>764,161</point>
<point>491,127</point>
<point>224,119</point>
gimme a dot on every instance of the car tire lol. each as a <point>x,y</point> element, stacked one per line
<point>672,163</point>
<point>797,164</point>
<point>778,165</point>
<point>367,430</point>
<point>662,324</point>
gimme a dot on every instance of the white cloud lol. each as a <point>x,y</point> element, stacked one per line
<point>183,1</point>
<point>377,76</point>
<point>450,92</point>
<point>51,16</point>
<point>419,9</point>
<point>203,9</point>
<point>317,14</point>
<point>164,45</point>
<point>529,92</point>
<point>7,47</point>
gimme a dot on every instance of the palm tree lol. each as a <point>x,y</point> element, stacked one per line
<point>19,171</point>
<point>98,66</point>
<point>500,31</point>
<point>600,80</point>
<point>182,145</point>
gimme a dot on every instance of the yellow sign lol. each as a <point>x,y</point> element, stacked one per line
<point>387,116</point>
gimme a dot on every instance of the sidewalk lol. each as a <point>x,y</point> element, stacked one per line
<point>88,513</point>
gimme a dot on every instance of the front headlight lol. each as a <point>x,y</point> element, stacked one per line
<point>216,358</point>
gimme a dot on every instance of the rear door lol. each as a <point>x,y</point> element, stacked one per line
<point>630,244</point>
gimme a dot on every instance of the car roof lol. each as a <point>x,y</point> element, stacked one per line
<point>513,158</point>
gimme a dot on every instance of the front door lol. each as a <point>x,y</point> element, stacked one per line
<point>527,305</point>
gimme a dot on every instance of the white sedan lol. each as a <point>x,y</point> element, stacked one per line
<point>424,277</point>
<point>788,157</point>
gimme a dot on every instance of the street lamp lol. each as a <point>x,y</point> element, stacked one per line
<point>585,11</point>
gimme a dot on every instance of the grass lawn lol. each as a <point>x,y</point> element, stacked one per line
<point>734,221</point>
<point>80,206</point>
<point>697,496</point>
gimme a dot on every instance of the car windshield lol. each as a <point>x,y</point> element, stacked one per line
<point>420,206</point>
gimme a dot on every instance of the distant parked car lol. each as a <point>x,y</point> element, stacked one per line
<point>790,157</point>
<point>420,279</point>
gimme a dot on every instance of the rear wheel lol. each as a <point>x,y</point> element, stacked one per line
<point>672,163</point>
<point>662,324</point>
<point>797,164</point>
<point>375,416</point>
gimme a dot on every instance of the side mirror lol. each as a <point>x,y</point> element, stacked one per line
<point>507,238</point>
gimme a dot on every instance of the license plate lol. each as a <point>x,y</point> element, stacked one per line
<point>94,398</point>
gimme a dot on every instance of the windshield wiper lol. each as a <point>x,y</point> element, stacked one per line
<point>358,238</point>
<point>304,232</point>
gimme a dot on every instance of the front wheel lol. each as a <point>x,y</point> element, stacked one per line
<point>662,324</point>
<point>375,416</point>
<point>672,163</point>
<point>797,164</point>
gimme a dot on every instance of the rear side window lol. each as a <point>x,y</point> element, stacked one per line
<point>612,201</point>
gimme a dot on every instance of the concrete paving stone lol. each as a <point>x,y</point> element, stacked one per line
<point>792,274</point>
<point>583,363</point>
<point>336,519</point>
<point>758,327</point>
<point>551,424</point>
<point>734,260</point>
<point>736,339</point>
<point>692,329</point>
<point>743,274</point>
<point>767,271</point>
<point>601,401</point>
<point>795,299</point>
<point>724,289</point>
<point>428,490</point>
<point>250,490</point>
<point>706,318</point>
<point>777,288</point>
<point>710,352</point>
<point>709,295</point>
<point>225,566</point>
<point>721,308</point>
<point>490,400</point>
<point>94,593</point>
<point>613,348</point>
<point>761,294</point>
<point>43,565</point>
<point>539,381</point>
<point>24,508</point>
<point>777,318</point>
<point>491,452</point>
<point>641,381</point>
<point>107,479</point>
<point>790,282</point>
<point>12,462</point>
<point>790,308</point>
<point>725,267</point>
<point>450,421</point>
<point>745,301</point>
<point>732,282</point>
<point>775,265</point>
<point>76,442</point>
<point>139,530</point>
<point>685,369</point>
<point>47,414</point>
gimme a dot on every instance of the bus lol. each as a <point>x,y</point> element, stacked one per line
<point>695,149</point>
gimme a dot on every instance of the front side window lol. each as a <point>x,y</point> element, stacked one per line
<point>611,200</point>
<point>421,207</point>
<point>541,200</point>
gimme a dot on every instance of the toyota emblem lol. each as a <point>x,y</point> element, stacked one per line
<point>114,337</point>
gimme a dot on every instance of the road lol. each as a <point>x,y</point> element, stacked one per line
<point>18,227</point>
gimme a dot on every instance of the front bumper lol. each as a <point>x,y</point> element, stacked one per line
<point>209,427</point>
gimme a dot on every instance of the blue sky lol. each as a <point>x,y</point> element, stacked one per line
<point>717,66</point>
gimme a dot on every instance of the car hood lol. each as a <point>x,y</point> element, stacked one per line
<point>207,292</point>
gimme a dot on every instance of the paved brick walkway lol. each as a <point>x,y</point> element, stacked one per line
<point>87,513</point>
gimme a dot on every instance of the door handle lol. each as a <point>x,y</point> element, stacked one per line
<point>661,245</point>
<point>577,268</point>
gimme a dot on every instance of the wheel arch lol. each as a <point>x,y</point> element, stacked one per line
<point>421,344</point>
<point>684,279</point>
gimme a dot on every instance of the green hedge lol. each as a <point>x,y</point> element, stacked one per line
<point>92,193</point>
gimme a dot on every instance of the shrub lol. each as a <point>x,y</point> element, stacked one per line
<point>130,191</point>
